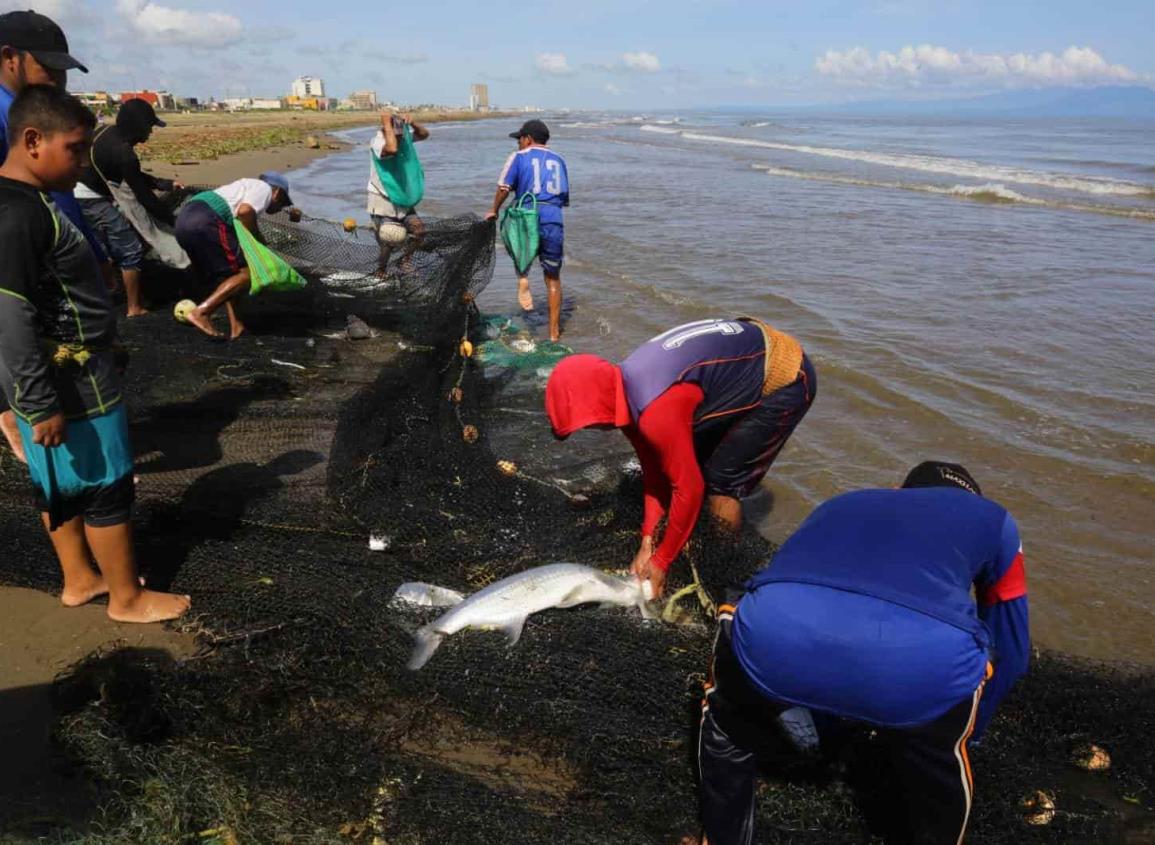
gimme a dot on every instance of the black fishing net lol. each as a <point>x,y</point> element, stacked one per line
<point>266,465</point>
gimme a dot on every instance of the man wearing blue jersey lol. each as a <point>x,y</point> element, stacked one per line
<point>866,614</point>
<point>536,169</point>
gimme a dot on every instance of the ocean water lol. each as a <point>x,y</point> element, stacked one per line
<point>972,290</point>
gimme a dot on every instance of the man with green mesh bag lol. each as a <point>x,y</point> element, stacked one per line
<point>218,229</point>
<point>396,186</point>
<point>538,171</point>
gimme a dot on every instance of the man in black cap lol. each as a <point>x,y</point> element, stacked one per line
<point>537,170</point>
<point>115,194</point>
<point>866,613</point>
<point>34,51</point>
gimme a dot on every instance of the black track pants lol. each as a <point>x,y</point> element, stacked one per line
<point>740,729</point>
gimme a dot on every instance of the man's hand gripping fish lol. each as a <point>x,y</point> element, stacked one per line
<point>505,604</point>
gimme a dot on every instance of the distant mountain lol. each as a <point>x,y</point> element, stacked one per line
<point>1123,101</point>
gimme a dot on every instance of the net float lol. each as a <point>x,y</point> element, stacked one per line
<point>182,309</point>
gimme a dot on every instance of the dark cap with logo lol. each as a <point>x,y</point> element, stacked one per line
<point>40,36</point>
<point>941,474</point>
<point>137,114</point>
<point>534,129</point>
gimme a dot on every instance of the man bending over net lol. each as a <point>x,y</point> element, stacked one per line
<point>707,406</point>
<point>206,230</point>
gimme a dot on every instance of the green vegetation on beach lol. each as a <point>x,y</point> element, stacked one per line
<point>206,136</point>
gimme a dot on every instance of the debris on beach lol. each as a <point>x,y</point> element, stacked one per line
<point>1091,758</point>
<point>1038,808</point>
<point>357,329</point>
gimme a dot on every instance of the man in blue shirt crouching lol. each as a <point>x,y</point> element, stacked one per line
<point>866,614</point>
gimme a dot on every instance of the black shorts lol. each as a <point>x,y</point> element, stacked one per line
<point>735,454</point>
<point>101,507</point>
<point>211,244</point>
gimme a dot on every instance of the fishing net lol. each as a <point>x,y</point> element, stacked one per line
<point>265,467</point>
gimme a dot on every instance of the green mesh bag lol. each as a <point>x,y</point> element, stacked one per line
<point>519,232</point>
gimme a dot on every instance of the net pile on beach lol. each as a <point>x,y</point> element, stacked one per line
<point>265,467</point>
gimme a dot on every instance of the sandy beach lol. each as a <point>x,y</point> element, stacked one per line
<point>39,637</point>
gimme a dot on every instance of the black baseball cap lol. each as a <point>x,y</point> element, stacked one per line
<point>942,474</point>
<point>138,112</point>
<point>40,36</point>
<point>533,129</point>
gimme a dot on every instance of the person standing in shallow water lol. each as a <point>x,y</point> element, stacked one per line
<point>536,169</point>
<point>707,406</point>
<point>60,373</point>
<point>866,614</point>
<point>396,186</point>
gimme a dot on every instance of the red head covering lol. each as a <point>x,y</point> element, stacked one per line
<point>585,390</point>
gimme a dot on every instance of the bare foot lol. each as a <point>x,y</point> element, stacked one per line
<point>236,331</point>
<point>198,319</point>
<point>150,606</point>
<point>137,312</point>
<point>76,594</point>
<point>524,298</point>
<point>555,338</point>
<point>12,435</point>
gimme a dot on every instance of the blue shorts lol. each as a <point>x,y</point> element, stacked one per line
<point>88,475</point>
<point>116,234</point>
<point>551,247</point>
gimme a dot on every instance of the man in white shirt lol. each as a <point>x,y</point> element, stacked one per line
<point>204,229</point>
<point>395,218</point>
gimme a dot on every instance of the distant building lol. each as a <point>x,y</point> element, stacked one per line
<point>190,103</point>
<point>94,99</point>
<point>311,103</point>
<point>364,100</point>
<point>479,97</point>
<point>160,100</point>
<point>305,87</point>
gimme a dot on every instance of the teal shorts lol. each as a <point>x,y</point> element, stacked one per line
<point>89,475</point>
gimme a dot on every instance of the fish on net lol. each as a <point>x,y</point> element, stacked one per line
<point>297,722</point>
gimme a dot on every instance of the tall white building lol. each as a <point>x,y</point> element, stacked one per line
<point>479,97</point>
<point>308,86</point>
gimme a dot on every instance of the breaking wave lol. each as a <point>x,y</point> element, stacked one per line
<point>935,164</point>
<point>988,192</point>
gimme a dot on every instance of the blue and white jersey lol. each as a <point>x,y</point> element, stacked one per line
<point>539,171</point>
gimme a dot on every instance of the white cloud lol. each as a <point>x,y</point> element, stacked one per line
<point>931,65</point>
<point>64,12</point>
<point>643,62</point>
<point>166,25</point>
<point>610,88</point>
<point>554,64</point>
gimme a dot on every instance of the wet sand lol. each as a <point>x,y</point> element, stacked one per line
<point>39,637</point>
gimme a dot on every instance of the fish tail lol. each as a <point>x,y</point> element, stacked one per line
<point>427,642</point>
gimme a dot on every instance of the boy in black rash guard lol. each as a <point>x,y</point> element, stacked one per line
<point>57,363</point>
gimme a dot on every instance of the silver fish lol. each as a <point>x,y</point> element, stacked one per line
<point>427,595</point>
<point>505,604</point>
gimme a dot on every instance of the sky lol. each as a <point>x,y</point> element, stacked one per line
<point>608,54</point>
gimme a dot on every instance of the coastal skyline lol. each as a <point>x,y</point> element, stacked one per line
<point>609,55</point>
